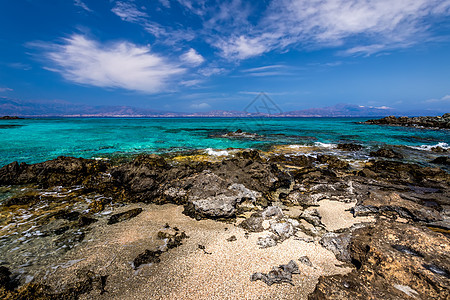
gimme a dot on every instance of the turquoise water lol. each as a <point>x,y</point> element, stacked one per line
<point>36,140</point>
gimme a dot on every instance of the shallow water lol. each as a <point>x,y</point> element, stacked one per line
<point>37,140</point>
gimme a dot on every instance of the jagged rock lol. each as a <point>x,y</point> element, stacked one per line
<point>333,162</point>
<point>65,171</point>
<point>213,197</point>
<point>393,261</point>
<point>313,217</point>
<point>280,274</point>
<point>387,153</point>
<point>255,222</point>
<point>338,243</point>
<point>380,202</point>
<point>124,216</point>
<point>5,281</point>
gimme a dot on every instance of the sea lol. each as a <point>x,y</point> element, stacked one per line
<point>39,139</point>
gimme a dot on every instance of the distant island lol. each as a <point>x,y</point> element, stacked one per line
<point>441,122</point>
<point>10,118</point>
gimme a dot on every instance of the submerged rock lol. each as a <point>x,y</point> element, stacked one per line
<point>349,147</point>
<point>387,153</point>
<point>124,216</point>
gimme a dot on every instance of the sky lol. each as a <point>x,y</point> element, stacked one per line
<point>183,55</point>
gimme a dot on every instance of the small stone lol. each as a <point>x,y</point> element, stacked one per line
<point>232,238</point>
<point>305,260</point>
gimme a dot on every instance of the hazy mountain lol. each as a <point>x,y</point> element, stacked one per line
<point>14,107</point>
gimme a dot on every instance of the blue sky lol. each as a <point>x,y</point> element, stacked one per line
<point>184,55</point>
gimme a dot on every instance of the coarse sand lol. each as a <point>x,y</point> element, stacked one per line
<point>187,272</point>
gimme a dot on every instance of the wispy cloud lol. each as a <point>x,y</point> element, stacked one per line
<point>366,27</point>
<point>128,11</point>
<point>165,3</point>
<point>116,65</point>
<point>20,66</point>
<point>444,99</point>
<point>5,89</point>
<point>81,4</point>
<point>192,58</point>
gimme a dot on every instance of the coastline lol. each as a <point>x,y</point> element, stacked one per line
<point>321,206</point>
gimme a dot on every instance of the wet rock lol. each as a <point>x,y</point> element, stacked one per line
<point>338,243</point>
<point>439,149</point>
<point>5,281</point>
<point>442,160</point>
<point>147,257</point>
<point>349,147</point>
<point>385,272</point>
<point>86,221</point>
<point>124,216</point>
<point>387,153</point>
<point>280,274</point>
<point>333,162</point>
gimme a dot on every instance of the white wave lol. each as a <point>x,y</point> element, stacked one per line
<point>325,145</point>
<point>429,147</point>
<point>214,152</point>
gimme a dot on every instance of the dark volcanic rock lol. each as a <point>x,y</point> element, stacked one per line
<point>387,153</point>
<point>333,162</point>
<point>65,171</point>
<point>280,274</point>
<point>120,217</point>
<point>5,281</point>
<point>393,261</point>
<point>349,147</point>
<point>428,122</point>
<point>442,160</point>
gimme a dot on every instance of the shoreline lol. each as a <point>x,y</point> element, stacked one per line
<point>318,204</point>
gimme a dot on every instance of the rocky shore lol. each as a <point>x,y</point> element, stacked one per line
<point>280,224</point>
<point>439,122</point>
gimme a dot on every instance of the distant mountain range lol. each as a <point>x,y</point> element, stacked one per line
<point>11,107</point>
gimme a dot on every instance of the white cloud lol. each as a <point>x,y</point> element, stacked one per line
<point>242,47</point>
<point>81,4</point>
<point>5,89</point>
<point>192,57</point>
<point>128,12</point>
<point>367,26</point>
<point>118,65</point>
<point>209,71</point>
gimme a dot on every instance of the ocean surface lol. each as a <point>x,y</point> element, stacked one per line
<point>37,140</point>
